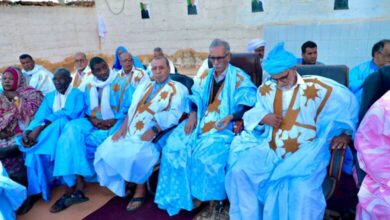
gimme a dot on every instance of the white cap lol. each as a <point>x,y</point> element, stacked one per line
<point>256,43</point>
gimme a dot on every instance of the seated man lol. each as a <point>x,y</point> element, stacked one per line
<point>372,143</point>
<point>82,75</point>
<point>257,46</point>
<point>12,195</point>
<point>157,52</point>
<point>309,54</point>
<point>79,139</point>
<point>37,76</point>
<point>130,155</point>
<point>278,163</point>
<point>131,74</point>
<point>380,57</point>
<point>40,138</point>
<point>194,158</point>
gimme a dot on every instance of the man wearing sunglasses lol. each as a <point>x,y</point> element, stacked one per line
<point>278,163</point>
<point>194,158</point>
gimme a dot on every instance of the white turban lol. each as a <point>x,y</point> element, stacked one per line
<point>254,44</point>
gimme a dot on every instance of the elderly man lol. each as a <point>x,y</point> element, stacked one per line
<point>37,76</point>
<point>278,163</point>
<point>380,57</point>
<point>103,114</point>
<point>157,106</point>
<point>372,143</point>
<point>131,74</point>
<point>194,158</point>
<point>82,75</point>
<point>257,46</point>
<point>40,138</point>
<point>309,54</point>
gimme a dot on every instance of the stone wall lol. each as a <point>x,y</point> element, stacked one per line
<point>50,33</point>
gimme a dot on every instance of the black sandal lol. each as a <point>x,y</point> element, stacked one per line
<point>140,200</point>
<point>59,205</point>
<point>68,200</point>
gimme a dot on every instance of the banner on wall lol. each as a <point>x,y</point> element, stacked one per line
<point>257,6</point>
<point>192,7</point>
<point>145,9</point>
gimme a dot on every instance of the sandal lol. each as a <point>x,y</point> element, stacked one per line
<point>59,205</point>
<point>68,200</point>
<point>140,200</point>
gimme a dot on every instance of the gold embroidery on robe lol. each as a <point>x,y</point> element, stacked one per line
<point>265,89</point>
<point>212,107</point>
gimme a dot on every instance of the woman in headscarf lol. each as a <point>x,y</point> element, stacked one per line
<point>18,104</point>
<point>117,64</point>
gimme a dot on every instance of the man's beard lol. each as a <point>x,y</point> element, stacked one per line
<point>285,88</point>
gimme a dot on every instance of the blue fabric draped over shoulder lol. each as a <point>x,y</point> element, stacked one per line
<point>117,64</point>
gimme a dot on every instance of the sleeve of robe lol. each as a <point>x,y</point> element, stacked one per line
<point>172,115</point>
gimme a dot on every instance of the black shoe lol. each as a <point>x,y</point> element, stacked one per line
<point>220,206</point>
<point>28,204</point>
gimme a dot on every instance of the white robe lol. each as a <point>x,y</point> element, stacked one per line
<point>130,158</point>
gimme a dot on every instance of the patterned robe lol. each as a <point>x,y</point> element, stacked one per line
<point>193,166</point>
<point>277,173</point>
<point>130,158</point>
<point>372,143</point>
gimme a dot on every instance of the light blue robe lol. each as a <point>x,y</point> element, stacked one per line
<point>12,195</point>
<point>79,139</point>
<point>358,75</point>
<point>263,183</point>
<point>193,166</point>
<point>39,159</point>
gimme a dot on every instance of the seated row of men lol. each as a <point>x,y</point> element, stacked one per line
<point>106,132</point>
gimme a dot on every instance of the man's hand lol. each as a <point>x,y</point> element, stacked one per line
<point>272,120</point>
<point>33,135</point>
<point>95,121</point>
<point>238,126</point>
<point>222,124</point>
<point>340,142</point>
<point>25,139</point>
<point>148,135</point>
<point>191,123</point>
<point>106,124</point>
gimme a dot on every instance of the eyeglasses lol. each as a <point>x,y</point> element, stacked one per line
<point>212,59</point>
<point>385,55</point>
<point>280,79</point>
<point>79,61</point>
<point>127,60</point>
